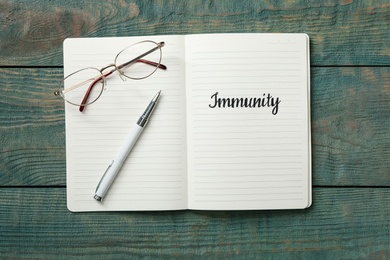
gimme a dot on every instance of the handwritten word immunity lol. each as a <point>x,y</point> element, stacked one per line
<point>253,102</point>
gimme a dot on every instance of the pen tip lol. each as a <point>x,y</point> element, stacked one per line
<point>156,97</point>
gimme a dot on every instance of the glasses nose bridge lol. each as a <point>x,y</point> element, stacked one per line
<point>115,68</point>
<point>109,66</point>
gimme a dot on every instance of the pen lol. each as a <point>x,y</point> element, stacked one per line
<point>115,166</point>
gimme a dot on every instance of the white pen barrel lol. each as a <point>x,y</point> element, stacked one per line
<point>128,145</point>
<point>116,165</point>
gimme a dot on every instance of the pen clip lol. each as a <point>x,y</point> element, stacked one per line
<point>103,176</point>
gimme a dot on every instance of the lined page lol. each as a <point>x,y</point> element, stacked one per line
<point>243,157</point>
<point>154,175</point>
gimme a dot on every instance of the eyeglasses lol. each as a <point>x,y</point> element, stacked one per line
<point>137,61</point>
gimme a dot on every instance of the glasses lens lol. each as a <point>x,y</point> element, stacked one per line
<point>139,60</point>
<point>82,87</point>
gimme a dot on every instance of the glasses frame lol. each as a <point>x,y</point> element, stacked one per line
<point>101,77</point>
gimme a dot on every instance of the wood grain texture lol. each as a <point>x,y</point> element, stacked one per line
<point>336,226</point>
<point>32,130</point>
<point>342,32</point>
<point>350,135</point>
<point>350,127</point>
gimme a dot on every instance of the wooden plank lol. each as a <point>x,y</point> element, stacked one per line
<point>350,126</point>
<point>350,123</point>
<point>32,131</point>
<point>342,32</point>
<point>36,224</point>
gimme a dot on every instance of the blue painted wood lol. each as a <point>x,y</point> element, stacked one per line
<point>342,223</point>
<point>349,218</point>
<point>342,32</point>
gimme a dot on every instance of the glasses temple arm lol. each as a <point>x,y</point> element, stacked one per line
<point>85,99</point>
<point>155,64</point>
<point>139,58</point>
<point>86,96</point>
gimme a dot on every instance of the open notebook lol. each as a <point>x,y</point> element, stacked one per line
<point>230,132</point>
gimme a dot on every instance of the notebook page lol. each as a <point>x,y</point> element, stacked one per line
<point>242,154</point>
<point>154,175</point>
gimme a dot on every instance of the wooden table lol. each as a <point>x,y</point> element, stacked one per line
<point>350,67</point>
